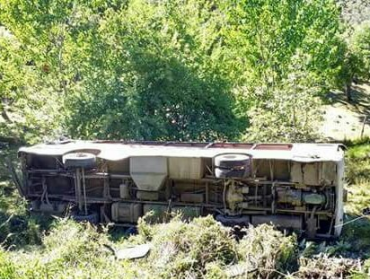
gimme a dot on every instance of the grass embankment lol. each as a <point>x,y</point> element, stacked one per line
<point>37,247</point>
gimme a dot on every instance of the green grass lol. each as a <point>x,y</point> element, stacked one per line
<point>357,234</point>
<point>34,246</point>
<point>358,178</point>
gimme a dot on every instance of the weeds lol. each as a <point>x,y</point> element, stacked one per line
<point>267,253</point>
<point>324,267</point>
<point>185,250</point>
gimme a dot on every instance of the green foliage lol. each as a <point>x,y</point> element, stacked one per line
<point>140,70</point>
<point>355,54</point>
<point>182,250</point>
<point>283,54</point>
<point>359,165</point>
<point>27,111</point>
<point>17,227</point>
<point>168,70</point>
<point>323,267</point>
<point>154,80</point>
<point>361,49</point>
<point>265,35</point>
<point>7,270</point>
<point>357,176</point>
<point>201,248</point>
<point>267,252</point>
<point>70,250</point>
<point>289,114</point>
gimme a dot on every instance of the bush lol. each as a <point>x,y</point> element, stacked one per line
<point>198,249</point>
<point>188,250</point>
<point>69,250</point>
<point>267,253</point>
<point>205,249</point>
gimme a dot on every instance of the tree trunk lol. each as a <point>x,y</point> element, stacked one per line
<point>349,92</point>
<point>5,116</point>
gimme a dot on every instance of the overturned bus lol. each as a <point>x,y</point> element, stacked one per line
<point>294,186</point>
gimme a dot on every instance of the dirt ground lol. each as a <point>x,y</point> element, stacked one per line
<point>344,120</point>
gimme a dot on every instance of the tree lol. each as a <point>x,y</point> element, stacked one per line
<point>355,56</point>
<point>263,37</point>
<point>291,114</point>
<point>167,70</point>
<point>26,107</point>
<point>360,47</point>
<point>154,76</point>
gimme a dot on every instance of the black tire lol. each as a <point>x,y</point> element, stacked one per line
<point>232,165</point>
<point>231,221</point>
<point>79,160</point>
<point>92,218</point>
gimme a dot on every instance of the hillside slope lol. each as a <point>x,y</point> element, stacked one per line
<point>344,120</point>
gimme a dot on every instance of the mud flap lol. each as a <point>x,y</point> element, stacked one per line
<point>311,224</point>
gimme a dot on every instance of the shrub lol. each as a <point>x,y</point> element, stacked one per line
<point>183,250</point>
<point>268,253</point>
